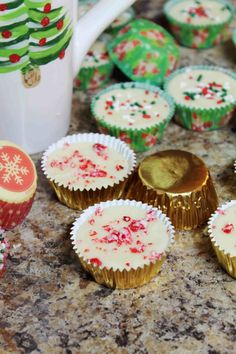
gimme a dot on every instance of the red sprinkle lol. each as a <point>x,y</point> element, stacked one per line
<point>61,54</point>
<point>127,264</point>
<point>126,218</point>
<point>95,261</point>
<point>93,233</point>
<point>42,41</point>
<point>119,167</point>
<point>187,98</point>
<point>60,24</point>
<point>91,221</point>
<point>228,228</point>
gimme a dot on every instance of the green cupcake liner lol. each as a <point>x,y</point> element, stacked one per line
<point>202,119</point>
<point>144,52</point>
<point>198,36</point>
<point>113,30</point>
<point>93,77</point>
<point>141,139</point>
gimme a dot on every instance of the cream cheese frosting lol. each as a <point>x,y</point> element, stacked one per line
<point>223,229</point>
<point>86,165</point>
<point>199,88</point>
<point>200,12</point>
<point>128,107</point>
<point>122,237</point>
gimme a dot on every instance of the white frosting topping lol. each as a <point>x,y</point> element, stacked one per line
<point>200,12</point>
<point>198,88</point>
<point>97,55</point>
<point>86,165</point>
<point>131,107</point>
<point>122,237</point>
<point>224,229</point>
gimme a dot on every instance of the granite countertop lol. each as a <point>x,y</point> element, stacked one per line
<point>50,305</point>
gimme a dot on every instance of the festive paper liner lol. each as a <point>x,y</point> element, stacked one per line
<point>82,198</point>
<point>115,278</point>
<point>144,52</point>
<point>226,260</point>
<point>198,36</point>
<point>140,139</point>
<point>4,248</point>
<point>113,30</point>
<point>186,211</point>
<point>93,77</point>
<point>201,119</point>
<point>13,214</point>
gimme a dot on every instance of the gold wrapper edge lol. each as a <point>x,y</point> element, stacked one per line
<point>186,211</point>
<point>125,279</point>
<point>227,261</point>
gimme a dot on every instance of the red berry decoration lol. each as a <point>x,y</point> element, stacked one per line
<point>6,34</point>
<point>42,41</point>
<point>45,21</point>
<point>228,228</point>
<point>60,24</point>
<point>61,54</point>
<point>3,7</point>
<point>47,8</point>
<point>14,58</point>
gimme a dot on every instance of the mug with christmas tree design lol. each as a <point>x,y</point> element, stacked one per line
<point>41,49</point>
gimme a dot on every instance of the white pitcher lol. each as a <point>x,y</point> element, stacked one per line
<point>39,58</point>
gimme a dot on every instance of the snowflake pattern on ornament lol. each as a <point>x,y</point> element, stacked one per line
<point>16,172</point>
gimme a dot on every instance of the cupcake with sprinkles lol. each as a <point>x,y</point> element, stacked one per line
<point>222,231</point>
<point>122,243</point>
<point>205,96</point>
<point>136,113</point>
<point>87,168</point>
<point>199,23</point>
<point>4,247</point>
<point>96,68</point>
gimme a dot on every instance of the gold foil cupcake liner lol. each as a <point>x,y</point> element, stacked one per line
<point>226,260</point>
<point>82,198</point>
<point>186,210</point>
<point>121,278</point>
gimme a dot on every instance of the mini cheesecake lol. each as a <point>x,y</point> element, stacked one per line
<point>200,12</point>
<point>18,183</point>
<point>136,113</point>
<point>122,239</point>
<point>86,166</point>
<point>222,229</point>
<point>199,23</point>
<point>205,96</point>
<point>96,67</point>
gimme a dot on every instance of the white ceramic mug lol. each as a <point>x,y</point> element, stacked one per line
<point>39,58</point>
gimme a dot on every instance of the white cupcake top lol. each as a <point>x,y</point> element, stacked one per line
<point>200,12</point>
<point>86,165</point>
<point>128,107</point>
<point>224,229</point>
<point>198,88</point>
<point>122,237</point>
<point>97,55</point>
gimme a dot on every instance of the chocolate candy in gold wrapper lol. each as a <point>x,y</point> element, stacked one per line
<point>177,182</point>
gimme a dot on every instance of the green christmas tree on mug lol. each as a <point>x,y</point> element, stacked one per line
<point>32,34</point>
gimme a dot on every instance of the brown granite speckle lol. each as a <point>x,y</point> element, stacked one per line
<point>50,305</point>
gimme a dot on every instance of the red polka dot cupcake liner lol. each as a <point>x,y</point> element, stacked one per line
<point>227,259</point>
<point>13,214</point>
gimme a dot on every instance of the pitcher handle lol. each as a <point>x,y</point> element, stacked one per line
<point>92,24</point>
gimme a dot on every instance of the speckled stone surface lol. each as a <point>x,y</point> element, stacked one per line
<point>49,305</point>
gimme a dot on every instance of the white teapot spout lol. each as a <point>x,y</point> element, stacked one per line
<point>92,24</point>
